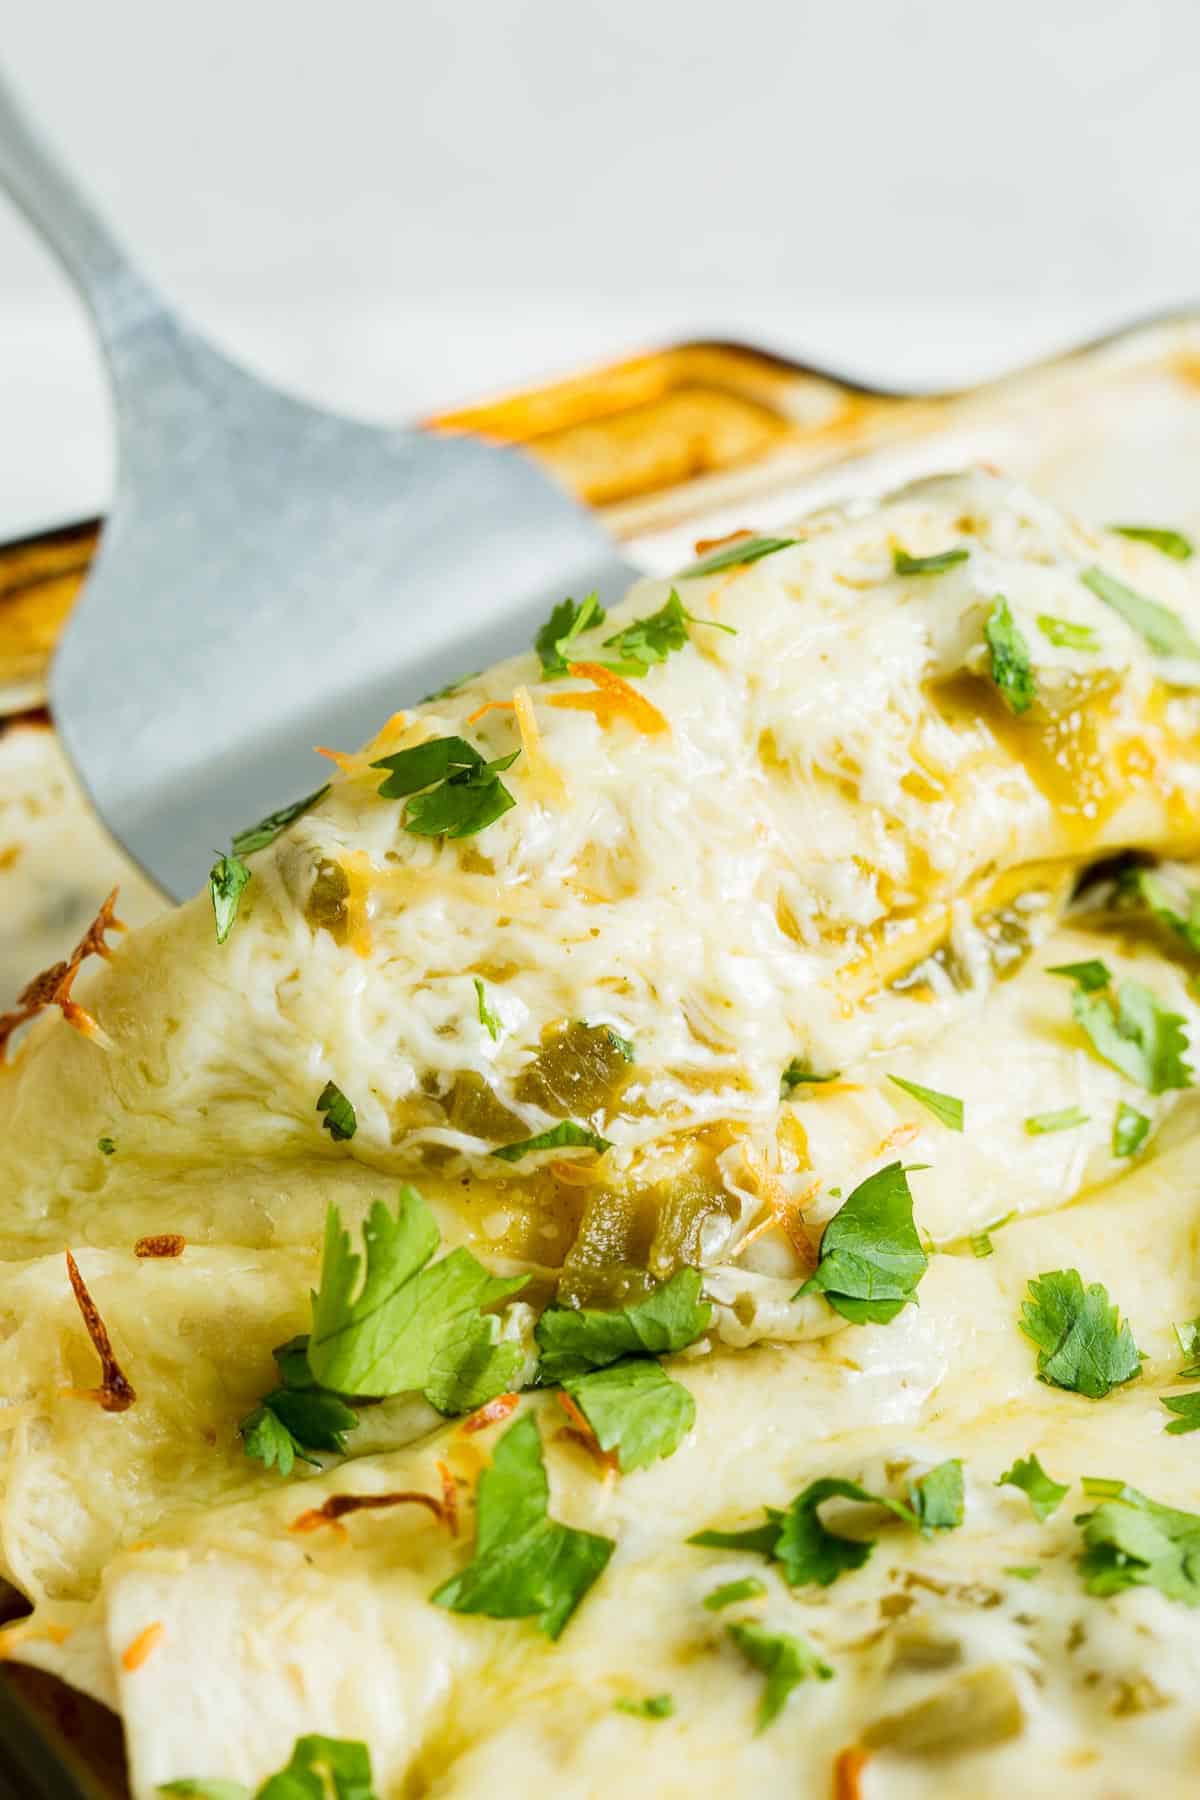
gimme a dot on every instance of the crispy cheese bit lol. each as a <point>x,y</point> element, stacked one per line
<point>847,1772</point>
<point>339,1505</point>
<point>614,699</point>
<point>135,1654</point>
<point>481,712</point>
<point>53,986</point>
<point>357,869</point>
<point>540,773</point>
<point>449,1496</point>
<point>167,1243</point>
<point>502,1407</point>
<point>114,1393</point>
<point>341,758</point>
<point>580,1432</point>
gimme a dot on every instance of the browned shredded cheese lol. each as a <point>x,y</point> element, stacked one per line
<point>490,1414</point>
<point>339,1505</point>
<point>53,986</point>
<point>114,1393</point>
<point>166,1243</point>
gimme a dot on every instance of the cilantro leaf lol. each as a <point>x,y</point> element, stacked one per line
<point>1067,1120</point>
<point>526,1565</point>
<point>1137,1035</point>
<point>1187,1336</point>
<point>1187,1407</point>
<point>565,1135</point>
<point>1147,888</point>
<point>257,837</point>
<point>226,879</point>
<point>413,1324</point>
<point>1090,976</point>
<point>195,1787</point>
<point>1012,666</point>
<point>734,1593</point>
<point>1066,634</point>
<point>904,564</point>
<point>797,1074</point>
<point>1130,1130</point>
<point>320,1768</point>
<point>937,1497</point>
<point>290,1423</point>
<point>871,1257</point>
<point>1163,630</point>
<point>945,1107</point>
<point>1171,543</point>
<point>554,639</point>
<point>1083,1344</point>
<point>456,792</point>
<point>1133,1541</point>
<point>744,550</point>
<point>785,1660</point>
<point>652,639</point>
<point>487,1018</point>
<point>654,1706</point>
<point>635,1409</point>
<point>106,1146</point>
<point>341,1120</point>
<point>1045,1495</point>
<point>573,1340</point>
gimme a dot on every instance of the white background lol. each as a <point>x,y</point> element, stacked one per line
<point>393,206</point>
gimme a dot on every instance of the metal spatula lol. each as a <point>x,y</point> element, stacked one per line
<point>270,576</point>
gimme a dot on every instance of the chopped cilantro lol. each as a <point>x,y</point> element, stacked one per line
<point>980,1241</point>
<point>414,1324</point>
<point>1045,1495</point>
<point>1132,1541</point>
<point>290,1423</point>
<point>785,1660</point>
<point>1083,1344</point>
<point>451,688</point>
<point>625,1045</point>
<point>798,1074</point>
<point>455,792</point>
<point>1130,1130</point>
<point>871,1256</point>
<point>651,640</point>
<point>904,564</point>
<point>257,837</point>
<point>937,1498</point>
<point>341,1120</point>
<point>1147,888</point>
<point>1067,635</point>
<point>1187,1409</point>
<point>744,550</point>
<point>566,1135</point>
<point>1090,976</point>
<point>226,879</point>
<point>1024,1571</point>
<point>654,1706</point>
<point>487,1018</point>
<point>945,1107</point>
<point>1163,630</point>
<point>1066,1120</point>
<point>574,1340</point>
<point>321,1768</point>
<point>525,1565</point>
<point>1136,1034</point>
<point>1171,543</point>
<point>735,1593</point>
<point>106,1146</point>
<point>634,1408</point>
<point>1011,664</point>
<point>553,642</point>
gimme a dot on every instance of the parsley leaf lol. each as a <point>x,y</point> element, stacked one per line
<point>1187,1406</point>
<point>414,1324</point>
<point>1012,667</point>
<point>257,837</point>
<point>654,1706</point>
<point>487,1018</point>
<point>1090,976</point>
<point>937,1498</point>
<point>456,792</point>
<point>651,640</point>
<point>106,1146</point>
<point>1187,1336</point>
<point>1171,543</point>
<point>321,1768</point>
<point>797,1074</point>
<point>1137,1035</point>
<point>871,1256</point>
<point>341,1120</point>
<point>1132,1541</point>
<point>1066,1120</point>
<point>1130,1130</point>
<point>1146,888</point>
<point>573,1340</point>
<point>565,1135</point>
<point>904,564</point>
<point>526,1565</point>
<point>1083,1344</point>
<point>226,879</point>
<point>744,550</point>
<point>553,641</point>
<point>635,1409</point>
<point>784,1659</point>
<point>1045,1495</point>
<point>1163,630</point>
<point>1066,634</point>
<point>734,1593</point>
<point>945,1107</point>
<point>293,1421</point>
